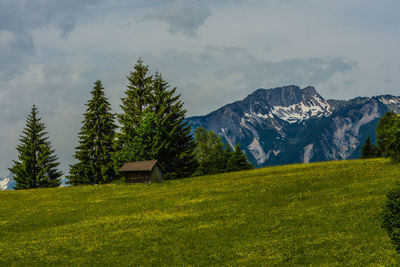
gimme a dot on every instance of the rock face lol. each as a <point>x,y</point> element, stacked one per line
<point>292,125</point>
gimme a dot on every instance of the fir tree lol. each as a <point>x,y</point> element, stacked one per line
<point>146,143</point>
<point>368,150</point>
<point>137,99</point>
<point>175,143</point>
<point>384,132</point>
<point>149,100</point>
<point>37,164</point>
<point>94,153</point>
<point>209,152</point>
<point>393,146</point>
<point>238,160</point>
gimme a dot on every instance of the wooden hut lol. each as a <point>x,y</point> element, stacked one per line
<point>149,171</point>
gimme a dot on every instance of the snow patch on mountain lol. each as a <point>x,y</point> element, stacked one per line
<point>308,153</point>
<point>7,183</point>
<point>387,100</point>
<point>315,107</point>
<point>257,151</point>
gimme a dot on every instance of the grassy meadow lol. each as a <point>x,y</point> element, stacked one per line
<point>320,213</point>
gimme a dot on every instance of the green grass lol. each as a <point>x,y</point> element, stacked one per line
<point>323,213</point>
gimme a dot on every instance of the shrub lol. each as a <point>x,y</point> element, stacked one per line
<point>391,215</point>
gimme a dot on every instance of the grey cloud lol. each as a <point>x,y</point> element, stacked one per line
<point>14,51</point>
<point>219,75</point>
<point>20,18</point>
<point>25,15</point>
<point>184,16</point>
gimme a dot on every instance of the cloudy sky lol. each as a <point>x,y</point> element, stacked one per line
<point>215,52</point>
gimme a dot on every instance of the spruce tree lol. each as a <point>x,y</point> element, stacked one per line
<point>384,132</point>
<point>136,101</point>
<point>238,160</point>
<point>37,164</point>
<point>368,150</point>
<point>94,153</point>
<point>175,143</point>
<point>393,147</point>
<point>146,143</point>
<point>209,152</point>
<point>149,100</point>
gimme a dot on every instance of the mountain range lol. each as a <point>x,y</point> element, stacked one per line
<point>288,124</point>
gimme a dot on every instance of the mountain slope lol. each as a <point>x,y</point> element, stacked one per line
<point>309,214</point>
<point>292,125</point>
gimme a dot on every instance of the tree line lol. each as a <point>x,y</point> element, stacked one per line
<point>151,126</point>
<point>387,139</point>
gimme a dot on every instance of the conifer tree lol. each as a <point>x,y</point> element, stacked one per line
<point>37,164</point>
<point>176,144</point>
<point>384,132</point>
<point>238,160</point>
<point>149,100</point>
<point>94,153</point>
<point>209,152</point>
<point>136,101</point>
<point>146,143</point>
<point>368,150</point>
<point>393,147</point>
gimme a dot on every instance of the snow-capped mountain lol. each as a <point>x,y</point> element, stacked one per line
<point>288,124</point>
<point>7,183</point>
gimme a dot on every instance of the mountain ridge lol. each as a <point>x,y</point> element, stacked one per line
<point>292,125</point>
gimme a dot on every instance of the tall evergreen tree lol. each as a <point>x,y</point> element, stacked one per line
<point>238,160</point>
<point>368,150</point>
<point>384,132</point>
<point>149,100</point>
<point>146,143</point>
<point>136,101</point>
<point>209,152</point>
<point>176,144</point>
<point>393,147</point>
<point>94,153</point>
<point>37,164</point>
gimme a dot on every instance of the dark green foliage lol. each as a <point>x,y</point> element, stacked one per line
<point>384,132</point>
<point>391,215</point>
<point>393,146</point>
<point>213,158</point>
<point>166,136</point>
<point>176,144</point>
<point>37,164</point>
<point>95,164</point>
<point>388,136</point>
<point>137,99</point>
<point>369,150</point>
<point>209,152</point>
<point>238,160</point>
<point>145,144</point>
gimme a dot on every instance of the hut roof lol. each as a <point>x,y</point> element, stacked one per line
<point>147,165</point>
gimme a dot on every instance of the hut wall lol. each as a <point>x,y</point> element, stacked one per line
<point>156,175</point>
<point>138,177</point>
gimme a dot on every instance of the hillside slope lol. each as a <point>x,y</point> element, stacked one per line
<point>322,213</point>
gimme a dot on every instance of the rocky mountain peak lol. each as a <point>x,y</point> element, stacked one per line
<point>288,124</point>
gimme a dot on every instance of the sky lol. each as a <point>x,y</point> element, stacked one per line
<point>214,51</point>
